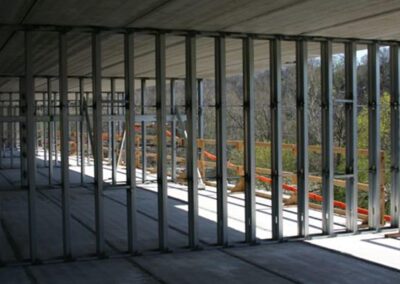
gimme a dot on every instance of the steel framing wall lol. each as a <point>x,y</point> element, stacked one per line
<point>27,120</point>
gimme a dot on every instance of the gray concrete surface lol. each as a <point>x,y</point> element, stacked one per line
<point>293,262</point>
<point>273,263</point>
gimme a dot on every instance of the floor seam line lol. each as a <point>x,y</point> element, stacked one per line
<point>142,268</point>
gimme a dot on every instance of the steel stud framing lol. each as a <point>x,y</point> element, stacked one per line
<point>351,136</point>
<point>173,129</point>
<point>220,132</point>
<point>395,135</point>
<point>130,141</point>
<point>30,144</point>
<point>51,127</point>
<point>327,137</point>
<point>64,125</point>
<point>195,103</point>
<point>143,126</point>
<point>374,136</point>
<point>276,138</point>
<point>97,142</point>
<point>249,140</point>
<point>302,137</point>
<point>161,105</point>
<point>191,128</point>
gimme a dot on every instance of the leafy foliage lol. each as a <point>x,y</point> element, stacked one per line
<point>235,123</point>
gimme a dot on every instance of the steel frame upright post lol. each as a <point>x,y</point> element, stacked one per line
<point>50,110</point>
<point>249,140</point>
<point>82,128</point>
<point>191,151</point>
<point>23,133</point>
<point>109,139</point>
<point>30,144</point>
<point>13,134</point>
<point>37,123</point>
<point>302,137</point>
<point>77,129</point>
<point>144,130</point>
<point>161,142</point>
<point>113,135</point>
<point>221,145</point>
<point>10,133</point>
<point>55,131</point>
<point>395,135</point>
<point>351,136</point>
<point>64,127</point>
<point>130,141</point>
<point>200,95</point>
<point>44,131</point>
<point>13,131</point>
<point>276,138</point>
<point>173,129</point>
<point>98,142</point>
<point>374,136</point>
<point>89,133</point>
<point>43,134</point>
<point>327,137</point>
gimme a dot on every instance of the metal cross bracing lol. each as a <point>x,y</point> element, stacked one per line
<point>120,105</point>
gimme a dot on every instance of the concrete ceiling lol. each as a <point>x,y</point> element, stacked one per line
<point>369,19</point>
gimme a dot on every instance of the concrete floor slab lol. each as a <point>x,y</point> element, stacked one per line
<point>275,263</point>
<point>206,267</point>
<point>369,246</point>
<point>310,264</point>
<point>96,271</point>
<point>293,262</point>
<point>14,275</point>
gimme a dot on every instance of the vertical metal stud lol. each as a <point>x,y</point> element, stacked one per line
<point>50,110</point>
<point>351,135</point>
<point>249,139</point>
<point>113,135</point>
<point>98,142</point>
<point>130,141</point>
<point>221,145</point>
<point>200,95</point>
<point>395,135</point>
<point>374,136</point>
<point>64,127</point>
<point>82,128</point>
<point>191,128</point>
<point>77,130</point>
<point>109,139</point>
<point>55,132</point>
<point>327,137</point>
<point>173,129</point>
<point>13,133</point>
<point>161,142</point>
<point>144,130</point>
<point>30,144</point>
<point>302,137</point>
<point>43,130</point>
<point>23,132</point>
<point>276,138</point>
<point>10,135</point>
